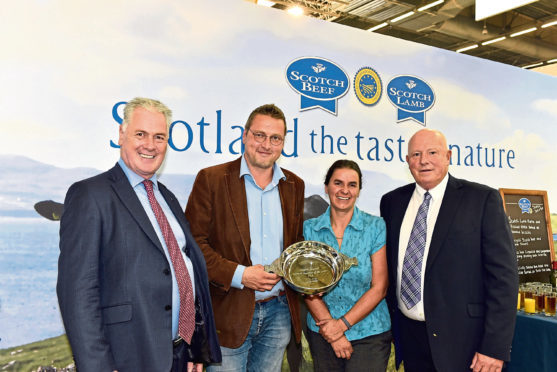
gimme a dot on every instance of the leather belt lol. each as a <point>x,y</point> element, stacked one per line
<point>177,341</point>
<point>281,293</point>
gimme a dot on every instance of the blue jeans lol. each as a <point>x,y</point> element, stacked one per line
<point>263,349</point>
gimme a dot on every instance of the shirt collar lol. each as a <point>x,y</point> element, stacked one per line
<point>437,192</point>
<point>134,178</point>
<point>277,172</point>
<point>324,221</point>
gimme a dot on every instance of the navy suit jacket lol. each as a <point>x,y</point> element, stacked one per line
<point>471,276</point>
<point>114,281</point>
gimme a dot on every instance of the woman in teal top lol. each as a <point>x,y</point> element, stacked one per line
<point>349,327</point>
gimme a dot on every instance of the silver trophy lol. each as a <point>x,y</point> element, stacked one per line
<point>311,267</point>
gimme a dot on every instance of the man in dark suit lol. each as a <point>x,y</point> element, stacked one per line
<point>132,282</point>
<point>452,267</point>
<point>243,214</point>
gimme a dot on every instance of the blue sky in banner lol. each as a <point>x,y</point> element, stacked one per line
<point>66,64</point>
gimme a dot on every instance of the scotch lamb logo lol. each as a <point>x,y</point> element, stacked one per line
<point>411,96</point>
<point>319,82</point>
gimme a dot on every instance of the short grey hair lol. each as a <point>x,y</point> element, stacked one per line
<point>148,104</point>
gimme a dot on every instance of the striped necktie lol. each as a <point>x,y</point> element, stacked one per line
<point>411,282</point>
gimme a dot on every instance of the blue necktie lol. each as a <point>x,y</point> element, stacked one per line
<point>411,282</point>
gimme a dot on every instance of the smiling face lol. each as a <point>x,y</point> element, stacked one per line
<point>343,189</point>
<point>143,142</point>
<point>263,155</point>
<point>428,158</point>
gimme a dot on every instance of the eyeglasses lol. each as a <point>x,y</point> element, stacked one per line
<point>261,137</point>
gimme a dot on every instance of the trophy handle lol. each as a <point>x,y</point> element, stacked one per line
<point>275,267</point>
<point>348,261</point>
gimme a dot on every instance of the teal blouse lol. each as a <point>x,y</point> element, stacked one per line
<point>364,235</point>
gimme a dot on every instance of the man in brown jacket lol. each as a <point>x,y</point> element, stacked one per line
<point>242,215</point>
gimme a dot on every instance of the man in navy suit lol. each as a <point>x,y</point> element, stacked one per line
<point>117,286</point>
<point>453,305</point>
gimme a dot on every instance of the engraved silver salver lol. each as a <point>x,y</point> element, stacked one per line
<point>311,267</point>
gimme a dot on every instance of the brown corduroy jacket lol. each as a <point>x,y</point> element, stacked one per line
<point>218,216</point>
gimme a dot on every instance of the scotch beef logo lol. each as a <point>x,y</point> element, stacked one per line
<point>319,82</point>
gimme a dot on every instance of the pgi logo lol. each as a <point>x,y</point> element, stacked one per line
<point>412,96</point>
<point>320,82</point>
<point>525,205</point>
<point>367,86</point>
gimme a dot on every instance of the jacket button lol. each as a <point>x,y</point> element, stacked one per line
<point>168,307</point>
<point>166,272</point>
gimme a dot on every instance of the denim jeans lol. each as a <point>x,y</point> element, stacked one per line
<point>263,349</point>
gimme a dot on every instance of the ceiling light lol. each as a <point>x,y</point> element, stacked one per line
<point>549,24</point>
<point>534,65</point>
<point>406,15</point>
<point>295,11</point>
<point>524,31</point>
<point>377,27</point>
<point>430,5</point>
<point>466,48</point>
<point>494,40</point>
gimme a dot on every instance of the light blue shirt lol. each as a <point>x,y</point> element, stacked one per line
<point>136,182</point>
<point>364,235</point>
<point>265,226</point>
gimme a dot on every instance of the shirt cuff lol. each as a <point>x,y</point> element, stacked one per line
<point>237,278</point>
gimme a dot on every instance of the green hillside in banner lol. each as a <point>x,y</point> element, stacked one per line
<point>52,352</point>
<point>55,352</point>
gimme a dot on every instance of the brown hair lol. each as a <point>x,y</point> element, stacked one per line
<point>340,164</point>
<point>269,109</point>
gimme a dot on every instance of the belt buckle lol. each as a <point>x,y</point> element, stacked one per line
<point>177,341</point>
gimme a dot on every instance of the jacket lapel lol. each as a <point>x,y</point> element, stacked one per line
<point>174,206</point>
<point>125,192</point>
<point>236,190</point>
<point>447,213</point>
<point>398,211</point>
<point>287,194</point>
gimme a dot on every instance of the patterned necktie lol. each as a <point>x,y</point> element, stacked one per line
<point>186,316</point>
<point>411,282</point>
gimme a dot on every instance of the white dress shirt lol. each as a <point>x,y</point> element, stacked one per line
<point>417,312</point>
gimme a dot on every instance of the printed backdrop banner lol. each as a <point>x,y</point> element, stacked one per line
<point>67,67</point>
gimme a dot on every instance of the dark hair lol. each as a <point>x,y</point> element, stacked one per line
<point>340,164</point>
<point>268,110</point>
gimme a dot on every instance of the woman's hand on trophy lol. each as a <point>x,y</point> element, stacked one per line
<point>313,296</point>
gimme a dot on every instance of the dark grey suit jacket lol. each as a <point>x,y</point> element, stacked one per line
<point>114,281</point>
<point>471,276</point>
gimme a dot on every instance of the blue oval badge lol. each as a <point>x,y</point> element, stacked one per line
<point>525,205</point>
<point>412,96</point>
<point>320,82</point>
